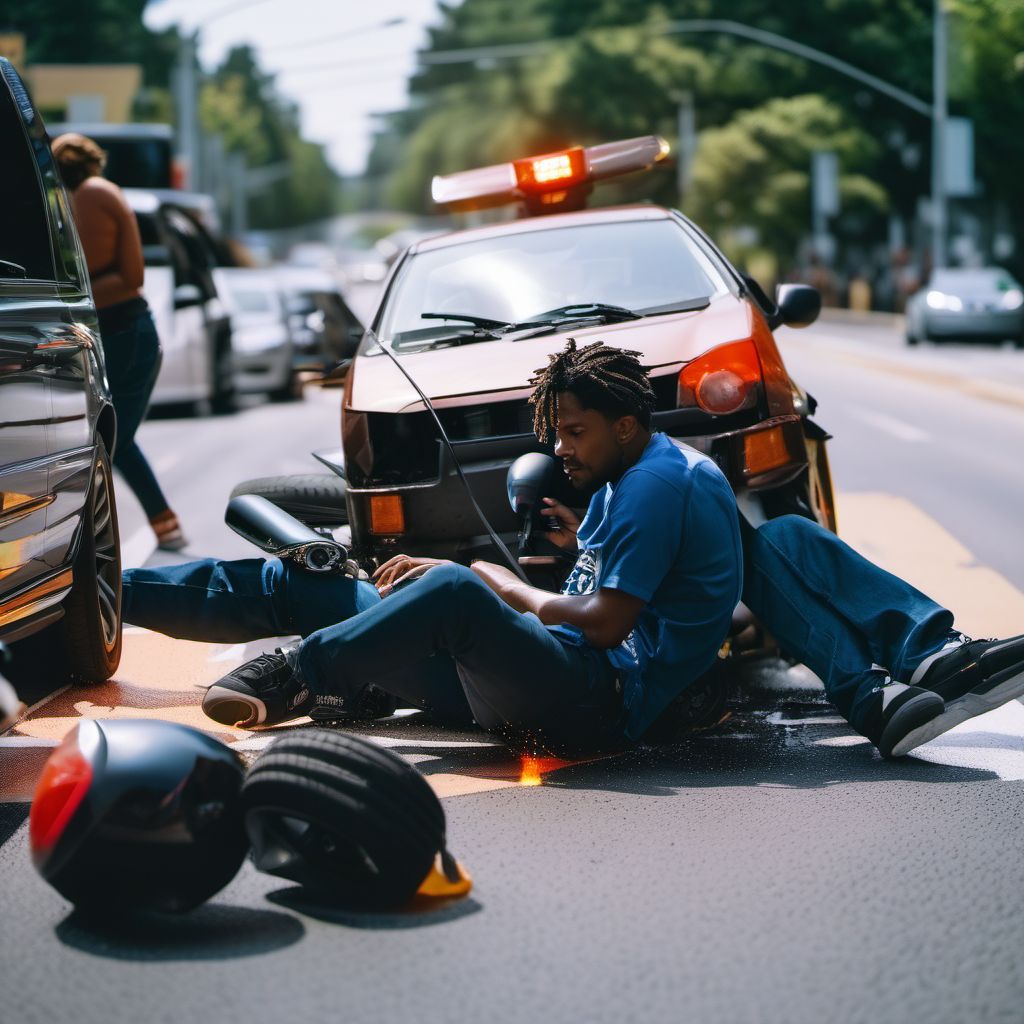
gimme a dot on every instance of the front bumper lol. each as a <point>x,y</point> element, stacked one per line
<point>987,324</point>
<point>439,520</point>
<point>262,369</point>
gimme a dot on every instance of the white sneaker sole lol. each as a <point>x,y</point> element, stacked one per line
<point>970,705</point>
<point>222,704</point>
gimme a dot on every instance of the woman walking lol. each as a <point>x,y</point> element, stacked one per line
<point>113,253</point>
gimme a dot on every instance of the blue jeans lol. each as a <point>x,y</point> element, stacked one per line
<point>841,615</point>
<point>448,644</point>
<point>445,643</point>
<point>133,357</point>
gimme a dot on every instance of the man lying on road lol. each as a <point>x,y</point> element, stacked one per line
<point>642,615</point>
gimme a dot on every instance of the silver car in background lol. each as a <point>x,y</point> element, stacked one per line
<point>260,339</point>
<point>959,304</point>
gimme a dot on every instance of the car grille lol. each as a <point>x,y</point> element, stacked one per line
<point>406,446</point>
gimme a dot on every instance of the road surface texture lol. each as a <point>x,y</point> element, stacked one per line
<point>772,870</point>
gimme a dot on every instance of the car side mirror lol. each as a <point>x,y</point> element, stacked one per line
<point>798,304</point>
<point>335,376</point>
<point>186,295</point>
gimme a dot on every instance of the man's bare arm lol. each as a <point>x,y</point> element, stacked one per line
<point>605,618</point>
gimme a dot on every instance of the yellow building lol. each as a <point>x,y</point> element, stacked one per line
<point>84,93</point>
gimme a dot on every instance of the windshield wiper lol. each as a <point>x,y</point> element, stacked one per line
<point>683,306</point>
<point>579,311</point>
<point>477,321</point>
<point>465,336</point>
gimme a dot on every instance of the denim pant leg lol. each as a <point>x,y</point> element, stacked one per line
<point>234,601</point>
<point>515,673</point>
<point>835,611</point>
<point>133,361</point>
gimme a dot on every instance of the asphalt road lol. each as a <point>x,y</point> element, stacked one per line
<point>773,870</point>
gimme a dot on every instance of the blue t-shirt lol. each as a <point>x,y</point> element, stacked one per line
<point>666,532</point>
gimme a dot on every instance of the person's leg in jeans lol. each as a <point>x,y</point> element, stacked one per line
<point>845,618</point>
<point>133,360</point>
<point>220,601</point>
<point>516,674</point>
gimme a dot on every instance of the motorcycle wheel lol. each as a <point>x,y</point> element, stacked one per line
<point>343,817</point>
<point>317,499</point>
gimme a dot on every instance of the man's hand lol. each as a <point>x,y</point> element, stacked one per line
<point>401,568</point>
<point>566,519</point>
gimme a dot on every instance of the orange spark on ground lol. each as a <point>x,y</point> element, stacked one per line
<point>534,768</point>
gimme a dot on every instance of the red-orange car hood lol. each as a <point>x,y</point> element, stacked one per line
<point>491,370</point>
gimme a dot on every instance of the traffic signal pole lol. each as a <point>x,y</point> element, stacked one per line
<point>939,108</point>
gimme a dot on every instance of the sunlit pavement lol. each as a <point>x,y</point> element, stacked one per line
<point>773,869</point>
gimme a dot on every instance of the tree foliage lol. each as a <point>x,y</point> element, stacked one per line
<point>618,71</point>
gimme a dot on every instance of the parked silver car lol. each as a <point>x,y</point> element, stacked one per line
<point>261,342</point>
<point>960,304</point>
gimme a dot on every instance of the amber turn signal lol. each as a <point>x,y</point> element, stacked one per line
<point>386,514</point>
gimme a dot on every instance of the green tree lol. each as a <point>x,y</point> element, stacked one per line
<point>753,173</point>
<point>239,102</point>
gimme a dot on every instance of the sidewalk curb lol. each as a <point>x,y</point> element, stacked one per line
<point>863,318</point>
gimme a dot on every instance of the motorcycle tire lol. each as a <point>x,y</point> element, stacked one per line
<point>343,817</point>
<point>317,499</point>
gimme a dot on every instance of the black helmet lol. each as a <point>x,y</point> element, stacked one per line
<point>138,814</point>
<point>347,818</point>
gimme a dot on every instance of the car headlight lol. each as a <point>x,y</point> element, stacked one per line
<point>939,300</point>
<point>1013,299</point>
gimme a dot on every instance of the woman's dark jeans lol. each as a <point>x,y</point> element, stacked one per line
<point>133,358</point>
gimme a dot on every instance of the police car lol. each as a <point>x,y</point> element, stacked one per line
<point>470,315</point>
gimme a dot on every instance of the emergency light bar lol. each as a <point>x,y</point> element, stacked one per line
<point>547,174</point>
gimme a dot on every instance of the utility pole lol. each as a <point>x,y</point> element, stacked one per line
<point>188,117</point>
<point>687,142</point>
<point>939,104</point>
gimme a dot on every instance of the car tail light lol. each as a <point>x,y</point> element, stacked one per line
<point>541,173</point>
<point>60,790</point>
<point>387,517</point>
<point>723,380</point>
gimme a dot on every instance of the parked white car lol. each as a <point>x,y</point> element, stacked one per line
<point>261,343</point>
<point>191,318</point>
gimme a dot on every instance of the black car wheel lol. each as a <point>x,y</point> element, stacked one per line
<point>317,499</point>
<point>344,817</point>
<point>91,626</point>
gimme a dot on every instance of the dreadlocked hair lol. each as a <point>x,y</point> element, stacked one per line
<point>610,380</point>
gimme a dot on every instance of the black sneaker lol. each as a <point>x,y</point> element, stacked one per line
<point>897,713</point>
<point>971,677</point>
<point>371,703</point>
<point>264,691</point>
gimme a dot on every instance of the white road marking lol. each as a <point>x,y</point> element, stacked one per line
<point>137,548</point>
<point>895,428</point>
<point>165,463</point>
<point>234,653</point>
<point>993,742</point>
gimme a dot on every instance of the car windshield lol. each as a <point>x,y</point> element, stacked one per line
<point>643,265</point>
<point>981,280</point>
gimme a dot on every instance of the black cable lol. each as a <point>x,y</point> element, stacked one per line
<point>498,542</point>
